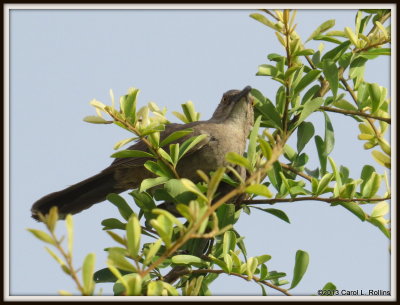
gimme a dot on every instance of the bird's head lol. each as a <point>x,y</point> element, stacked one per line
<point>236,105</point>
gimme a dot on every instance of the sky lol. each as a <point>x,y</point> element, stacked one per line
<point>62,59</point>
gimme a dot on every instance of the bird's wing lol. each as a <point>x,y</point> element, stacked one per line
<point>169,129</point>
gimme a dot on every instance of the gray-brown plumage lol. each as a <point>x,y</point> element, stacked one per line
<point>226,131</point>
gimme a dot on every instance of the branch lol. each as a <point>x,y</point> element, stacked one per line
<point>254,278</point>
<point>312,198</point>
<point>377,44</point>
<point>270,13</point>
<point>293,170</point>
<point>359,113</point>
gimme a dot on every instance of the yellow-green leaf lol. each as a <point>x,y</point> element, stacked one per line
<point>43,236</point>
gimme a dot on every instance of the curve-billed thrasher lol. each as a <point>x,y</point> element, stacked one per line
<point>226,131</point>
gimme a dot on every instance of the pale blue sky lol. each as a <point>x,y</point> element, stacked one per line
<point>61,59</point>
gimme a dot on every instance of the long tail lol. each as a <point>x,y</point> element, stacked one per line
<point>77,197</point>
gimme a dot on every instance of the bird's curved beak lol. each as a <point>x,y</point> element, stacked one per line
<point>244,93</point>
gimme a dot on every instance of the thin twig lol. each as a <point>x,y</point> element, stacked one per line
<point>293,170</point>
<point>68,259</point>
<point>359,113</point>
<point>270,13</point>
<point>254,278</point>
<point>312,198</point>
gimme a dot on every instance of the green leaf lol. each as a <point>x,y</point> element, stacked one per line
<point>327,38</point>
<point>133,234</point>
<point>310,94</point>
<point>229,242</point>
<point>175,136</point>
<point>274,176</point>
<point>251,266</point>
<point>380,209</point>
<point>123,207</point>
<point>329,286</point>
<point>112,223</point>
<point>190,186</point>
<point>235,158</point>
<point>96,120</point>
<point>151,182</point>
<point>381,158</point>
<point>55,256</point>
<point>214,182</point>
<point>87,273</point>
<point>354,208</point>
<point>43,236</point>
<point>128,153</point>
<point>164,227</point>
<point>308,108</point>
<point>336,52</point>
<point>121,143</point>
<point>276,212</point>
<point>153,249</point>
<point>266,70</point>
<point>322,28</point>
<point>346,59</point>
<point>226,215</point>
<point>323,183</point>
<point>357,67</point>
<point>343,104</point>
<point>189,144</point>
<point>352,36</point>
<point>329,141</point>
<point>366,174</point>
<point>266,108</point>
<point>375,94</point>
<point>190,112</point>
<point>306,80</point>
<point>265,148</point>
<point>116,237</point>
<point>338,179</point>
<point>289,152</point>
<point>300,267</point>
<point>129,105</point>
<point>106,276</point>
<point>168,215</point>
<point>304,134</point>
<point>228,262</point>
<point>188,260</point>
<point>371,53</point>
<point>259,189</point>
<point>251,150</point>
<point>143,200</point>
<point>134,283</point>
<point>305,52</point>
<point>321,153</point>
<point>155,288</point>
<point>70,232</point>
<point>264,20</point>
<point>261,259</point>
<point>331,73</point>
<point>372,186</point>
<point>118,260</point>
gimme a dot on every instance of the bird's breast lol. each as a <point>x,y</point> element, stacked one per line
<point>222,139</point>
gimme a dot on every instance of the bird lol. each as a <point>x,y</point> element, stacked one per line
<point>226,131</point>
